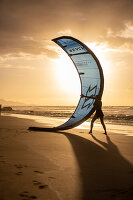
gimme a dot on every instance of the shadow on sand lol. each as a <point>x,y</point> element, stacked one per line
<point>104,172</point>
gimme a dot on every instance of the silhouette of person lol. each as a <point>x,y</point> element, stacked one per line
<point>0,109</point>
<point>98,114</point>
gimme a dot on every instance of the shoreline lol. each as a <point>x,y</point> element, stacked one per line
<point>112,128</point>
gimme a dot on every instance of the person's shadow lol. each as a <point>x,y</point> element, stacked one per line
<point>104,172</point>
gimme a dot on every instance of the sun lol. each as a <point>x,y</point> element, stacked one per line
<point>67,75</point>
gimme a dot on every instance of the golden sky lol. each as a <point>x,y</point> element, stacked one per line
<point>34,70</point>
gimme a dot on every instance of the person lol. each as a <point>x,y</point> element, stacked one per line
<point>98,114</point>
<point>0,109</point>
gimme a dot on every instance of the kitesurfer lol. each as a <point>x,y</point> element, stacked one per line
<point>98,114</point>
<point>0,109</point>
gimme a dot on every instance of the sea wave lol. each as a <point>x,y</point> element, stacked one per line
<point>112,114</point>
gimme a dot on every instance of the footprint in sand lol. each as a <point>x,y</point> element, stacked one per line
<point>38,172</point>
<point>33,197</point>
<point>43,186</point>
<point>39,184</point>
<point>26,196</point>
<point>51,177</point>
<point>36,182</point>
<point>2,161</point>
<point>19,173</point>
<point>19,166</point>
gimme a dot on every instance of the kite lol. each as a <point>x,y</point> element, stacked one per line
<point>91,78</point>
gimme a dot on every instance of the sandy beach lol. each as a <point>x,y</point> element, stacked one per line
<point>67,165</point>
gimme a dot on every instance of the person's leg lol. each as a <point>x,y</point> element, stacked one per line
<point>92,122</point>
<point>102,122</point>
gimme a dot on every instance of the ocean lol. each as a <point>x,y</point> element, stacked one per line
<point>118,118</point>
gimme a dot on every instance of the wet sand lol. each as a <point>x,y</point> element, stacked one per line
<point>67,165</point>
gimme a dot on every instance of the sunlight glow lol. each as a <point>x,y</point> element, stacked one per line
<point>67,75</point>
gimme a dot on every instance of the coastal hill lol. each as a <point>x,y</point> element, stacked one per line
<point>11,103</point>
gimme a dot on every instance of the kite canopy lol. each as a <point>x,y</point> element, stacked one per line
<point>91,78</point>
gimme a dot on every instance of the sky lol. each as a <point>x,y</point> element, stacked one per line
<point>35,71</point>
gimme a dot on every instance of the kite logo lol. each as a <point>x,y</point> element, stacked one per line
<point>83,63</point>
<point>87,102</point>
<point>80,48</point>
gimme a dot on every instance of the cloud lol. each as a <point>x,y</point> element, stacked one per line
<point>65,32</point>
<point>126,33</point>
<point>121,41</point>
<point>5,65</point>
<point>26,26</point>
<point>119,44</point>
<point>10,66</point>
